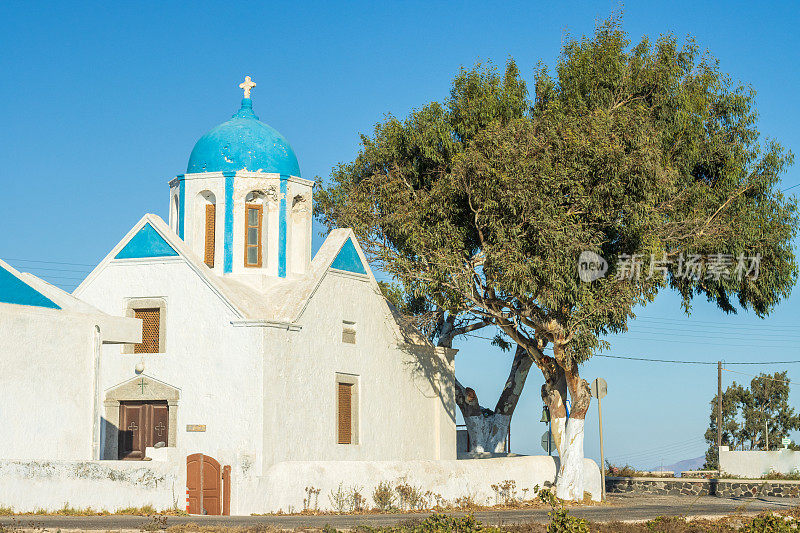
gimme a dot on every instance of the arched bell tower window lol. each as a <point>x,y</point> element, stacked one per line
<point>173,213</point>
<point>206,226</point>
<point>254,230</point>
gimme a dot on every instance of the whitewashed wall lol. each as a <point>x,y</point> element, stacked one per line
<point>401,417</point>
<point>46,384</point>
<point>754,464</point>
<point>27,486</point>
<point>283,487</point>
<point>216,366</point>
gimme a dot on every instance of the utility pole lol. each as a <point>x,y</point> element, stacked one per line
<point>719,409</point>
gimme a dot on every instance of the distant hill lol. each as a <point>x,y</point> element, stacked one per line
<point>686,464</point>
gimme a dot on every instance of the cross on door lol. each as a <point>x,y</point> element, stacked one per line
<point>160,429</point>
<point>133,426</point>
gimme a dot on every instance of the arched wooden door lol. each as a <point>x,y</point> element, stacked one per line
<point>203,485</point>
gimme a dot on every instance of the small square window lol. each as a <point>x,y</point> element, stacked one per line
<point>151,325</point>
<point>349,332</point>
<point>153,313</point>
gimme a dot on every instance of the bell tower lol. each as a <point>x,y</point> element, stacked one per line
<point>242,205</point>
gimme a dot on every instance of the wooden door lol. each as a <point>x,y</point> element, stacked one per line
<point>212,486</point>
<point>141,424</point>
<point>131,441</point>
<point>194,483</point>
<point>204,485</point>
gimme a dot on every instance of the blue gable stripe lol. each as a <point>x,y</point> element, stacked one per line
<point>348,259</point>
<point>15,291</point>
<point>146,243</point>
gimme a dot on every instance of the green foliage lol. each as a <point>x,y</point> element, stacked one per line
<point>751,416</point>
<point>442,523</point>
<point>560,519</point>
<point>480,205</point>
<point>771,523</point>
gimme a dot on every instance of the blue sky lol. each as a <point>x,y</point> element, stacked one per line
<point>102,102</point>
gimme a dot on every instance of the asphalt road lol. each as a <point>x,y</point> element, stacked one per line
<point>619,507</point>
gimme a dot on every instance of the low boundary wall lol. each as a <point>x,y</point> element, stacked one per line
<point>283,487</point>
<point>28,486</point>
<point>755,464</point>
<point>726,488</point>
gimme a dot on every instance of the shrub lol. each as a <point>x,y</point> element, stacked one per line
<point>410,497</point>
<point>560,519</point>
<point>442,523</point>
<point>339,499</point>
<point>312,495</point>
<point>383,496</point>
<point>347,500</point>
<point>771,523</point>
<point>505,493</point>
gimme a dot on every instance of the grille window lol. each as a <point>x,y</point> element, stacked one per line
<point>211,212</point>
<point>151,319</point>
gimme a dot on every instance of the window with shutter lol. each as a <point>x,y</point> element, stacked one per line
<point>252,235</point>
<point>151,319</point>
<point>211,221</point>
<point>345,413</point>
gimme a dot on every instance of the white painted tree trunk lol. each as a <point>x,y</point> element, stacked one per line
<point>569,484</point>
<point>487,433</point>
<point>557,427</point>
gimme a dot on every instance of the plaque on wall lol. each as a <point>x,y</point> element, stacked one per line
<point>195,427</point>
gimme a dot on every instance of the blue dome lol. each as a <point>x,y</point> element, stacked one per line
<point>243,143</point>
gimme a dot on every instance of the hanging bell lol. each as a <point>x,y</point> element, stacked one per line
<point>545,414</point>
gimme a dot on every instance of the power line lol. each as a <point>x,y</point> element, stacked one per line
<point>672,361</point>
<point>760,376</point>
<point>790,188</point>
<point>49,262</point>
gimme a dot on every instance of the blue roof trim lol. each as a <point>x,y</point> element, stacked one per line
<point>348,259</point>
<point>146,243</point>
<point>15,291</point>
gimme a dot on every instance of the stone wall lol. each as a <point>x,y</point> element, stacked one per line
<point>726,488</point>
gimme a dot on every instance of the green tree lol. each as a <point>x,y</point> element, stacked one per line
<point>754,418</point>
<point>480,207</point>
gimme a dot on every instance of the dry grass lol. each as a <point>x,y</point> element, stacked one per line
<point>68,510</point>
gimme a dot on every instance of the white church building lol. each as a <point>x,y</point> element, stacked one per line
<point>238,368</point>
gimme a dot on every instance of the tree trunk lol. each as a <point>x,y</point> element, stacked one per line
<point>554,395</point>
<point>569,484</point>
<point>487,429</point>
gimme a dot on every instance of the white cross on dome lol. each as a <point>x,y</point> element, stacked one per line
<point>247,85</point>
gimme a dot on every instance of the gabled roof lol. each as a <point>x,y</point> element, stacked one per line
<point>25,289</point>
<point>151,238</point>
<point>282,303</point>
<point>15,290</point>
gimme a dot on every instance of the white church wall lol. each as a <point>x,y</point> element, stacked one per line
<point>46,383</point>
<point>28,486</point>
<point>216,367</point>
<point>283,486</point>
<point>400,416</point>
